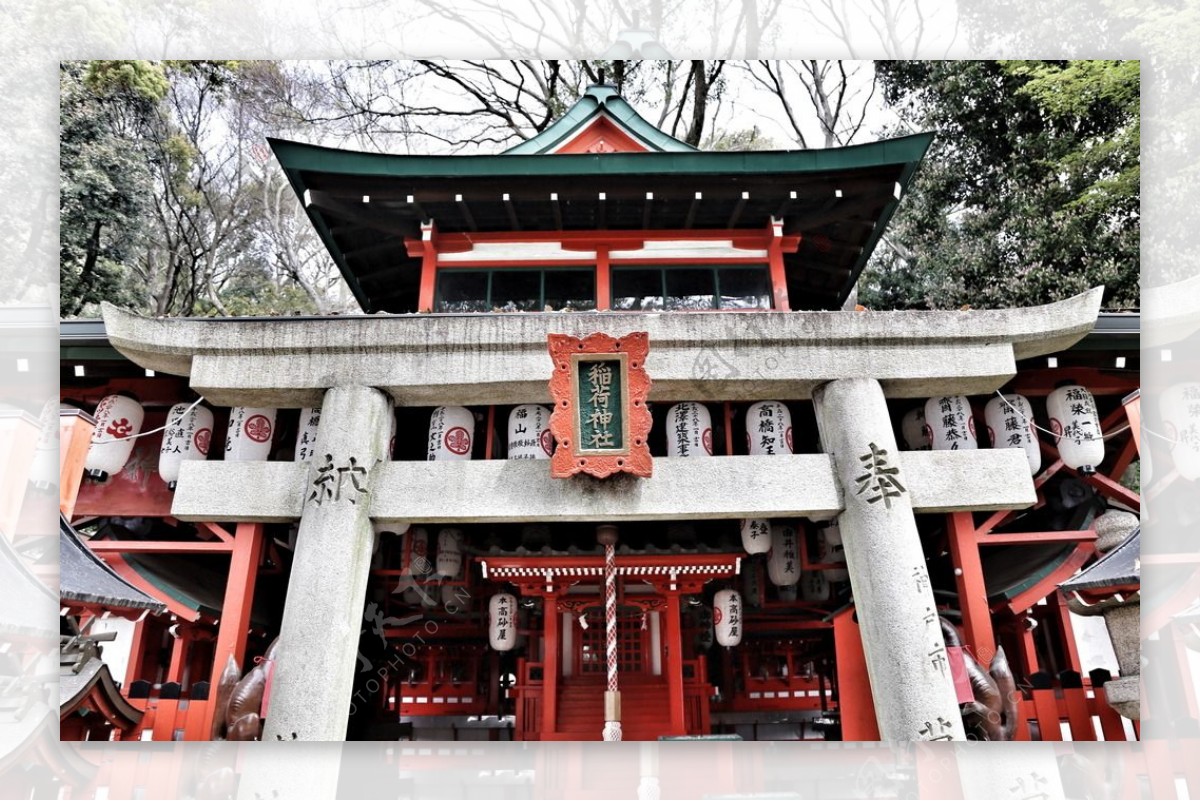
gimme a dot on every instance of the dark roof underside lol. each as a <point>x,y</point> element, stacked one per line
<point>1120,567</point>
<point>366,239</point>
<point>84,578</point>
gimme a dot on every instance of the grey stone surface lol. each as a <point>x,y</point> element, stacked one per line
<point>1016,771</point>
<point>1113,527</point>
<point>292,770</point>
<point>681,489</point>
<point>475,359</point>
<point>1125,696</point>
<point>226,492</point>
<point>322,618</point>
<point>902,640</point>
<point>1125,630</point>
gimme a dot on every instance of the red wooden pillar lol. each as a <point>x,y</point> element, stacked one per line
<point>603,281</point>
<point>235,609</point>
<point>779,291</point>
<point>1029,655</point>
<point>551,661</point>
<point>1066,632</point>
<point>856,705</point>
<point>179,649</point>
<point>674,646</point>
<point>972,592</point>
<point>428,267</point>
<point>137,649</point>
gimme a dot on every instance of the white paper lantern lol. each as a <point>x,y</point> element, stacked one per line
<point>914,431</point>
<point>768,429</point>
<point>789,593</point>
<point>814,586</point>
<point>783,563</point>
<point>529,432</point>
<point>1076,427</point>
<point>502,621</point>
<point>248,438</point>
<point>1179,407</point>
<point>187,438</point>
<point>306,434</point>
<point>396,529</point>
<point>1010,425</point>
<point>756,535</point>
<point>449,552</point>
<point>450,434</point>
<point>830,549</point>
<point>44,468</point>
<point>950,425</point>
<point>727,617</point>
<point>118,420</point>
<point>418,563</point>
<point>689,430</point>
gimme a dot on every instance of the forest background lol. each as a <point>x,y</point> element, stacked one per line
<point>172,205</point>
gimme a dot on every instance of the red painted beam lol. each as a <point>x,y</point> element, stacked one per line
<point>1050,583</point>
<point>1036,537</point>
<point>157,546</point>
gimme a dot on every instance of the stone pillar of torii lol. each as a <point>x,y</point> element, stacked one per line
<point>897,614</point>
<point>322,617</point>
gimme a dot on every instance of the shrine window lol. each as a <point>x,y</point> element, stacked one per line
<point>516,290</point>
<point>688,288</point>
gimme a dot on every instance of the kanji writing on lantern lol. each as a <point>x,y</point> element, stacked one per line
<point>1082,407</point>
<point>879,477</point>
<point>941,730</point>
<point>334,483</point>
<point>503,619</point>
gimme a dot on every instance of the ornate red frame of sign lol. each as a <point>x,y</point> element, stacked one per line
<point>569,458</point>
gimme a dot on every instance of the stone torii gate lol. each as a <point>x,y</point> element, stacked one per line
<point>355,368</point>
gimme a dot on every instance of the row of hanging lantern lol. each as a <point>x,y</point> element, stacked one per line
<point>944,423</point>
<point>187,436</point>
<point>947,423</point>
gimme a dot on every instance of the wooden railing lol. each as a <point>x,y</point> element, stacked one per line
<point>1070,709</point>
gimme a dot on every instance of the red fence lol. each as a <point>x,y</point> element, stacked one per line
<point>1070,709</point>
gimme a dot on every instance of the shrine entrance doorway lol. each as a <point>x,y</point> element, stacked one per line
<point>635,644</point>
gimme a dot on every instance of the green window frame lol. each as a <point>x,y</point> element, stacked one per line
<point>490,273</point>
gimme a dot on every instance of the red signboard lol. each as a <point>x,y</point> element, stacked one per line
<point>600,419</point>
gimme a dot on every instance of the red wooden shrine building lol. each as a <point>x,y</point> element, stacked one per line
<point>601,218</point>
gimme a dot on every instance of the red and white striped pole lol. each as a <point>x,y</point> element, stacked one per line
<point>607,536</point>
